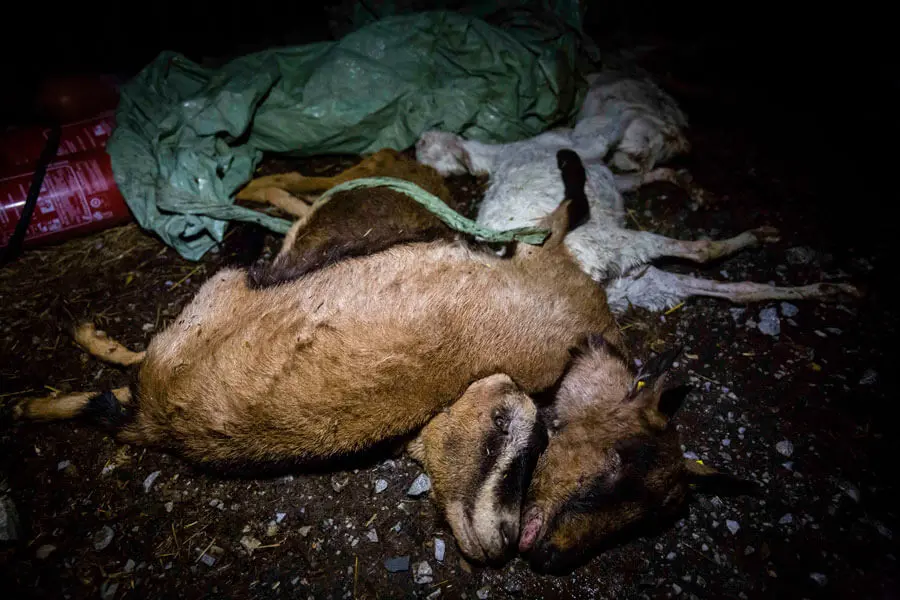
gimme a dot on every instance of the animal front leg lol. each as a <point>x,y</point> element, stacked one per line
<point>656,290</point>
<point>629,182</point>
<point>96,343</point>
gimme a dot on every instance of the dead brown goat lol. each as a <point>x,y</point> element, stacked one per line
<point>372,348</point>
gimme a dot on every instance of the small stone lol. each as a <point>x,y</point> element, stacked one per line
<point>63,464</point>
<point>45,551</point>
<point>676,589</point>
<point>271,529</point>
<point>372,536</point>
<point>9,520</point>
<point>129,566</point>
<point>397,564</point>
<point>733,526</point>
<point>170,506</point>
<point>784,448</point>
<point>819,579</point>
<point>884,530</point>
<point>671,556</point>
<point>380,485</point>
<point>420,486</point>
<point>483,593</point>
<point>435,594</point>
<point>737,313</point>
<point>869,377</point>
<point>422,573</point>
<point>439,549</point>
<point>749,550</point>
<point>851,490</point>
<point>304,531</point>
<point>789,310</point>
<point>108,590</point>
<point>250,543</point>
<point>216,503</point>
<point>279,517</point>
<point>769,323</point>
<point>786,519</point>
<point>148,327</point>
<point>103,537</point>
<point>726,442</point>
<point>148,482</point>
<point>339,483</point>
<point>207,560</point>
<point>691,455</point>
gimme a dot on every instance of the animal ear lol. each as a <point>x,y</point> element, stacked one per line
<point>710,480</point>
<point>651,377</point>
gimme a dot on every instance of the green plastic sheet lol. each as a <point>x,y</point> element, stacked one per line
<point>187,137</point>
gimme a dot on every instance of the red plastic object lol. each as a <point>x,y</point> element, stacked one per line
<point>78,196</point>
<point>21,148</point>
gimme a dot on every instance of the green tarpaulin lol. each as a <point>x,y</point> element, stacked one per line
<point>187,138</point>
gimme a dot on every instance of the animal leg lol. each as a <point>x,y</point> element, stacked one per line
<point>702,251</point>
<point>97,343</point>
<point>58,407</point>
<point>629,182</point>
<point>656,290</point>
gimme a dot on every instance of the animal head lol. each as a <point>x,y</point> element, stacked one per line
<point>444,152</point>
<point>647,143</point>
<point>480,454</point>
<point>612,458</point>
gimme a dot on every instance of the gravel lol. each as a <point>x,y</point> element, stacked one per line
<point>420,486</point>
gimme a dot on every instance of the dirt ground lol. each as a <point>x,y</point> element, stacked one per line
<point>804,413</point>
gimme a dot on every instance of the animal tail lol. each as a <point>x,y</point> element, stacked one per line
<point>574,209</point>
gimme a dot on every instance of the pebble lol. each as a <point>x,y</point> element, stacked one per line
<point>397,564</point>
<point>784,448</point>
<point>216,503</point>
<point>737,313</point>
<point>63,464</point>
<point>869,377</point>
<point>372,536</point>
<point>129,566</point>
<point>207,560</point>
<point>433,594</point>
<point>380,486</point>
<point>338,484</point>
<point>108,590</point>
<point>439,549</point>
<point>45,551</point>
<point>789,310</point>
<point>279,517</point>
<point>9,520</point>
<point>483,593</point>
<point>690,455</point>
<point>676,589</point>
<point>787,519</point>
<point>304,531</point>
<point>769,323</point>
<point>250,543</point>
<point>733,526</point>
<point>819,578</point>
<point>271,529</point>
<point>422,573</point>
<point>420,486</point>
<point>671,556</point>
<point>103,537</point>
<point>148,482</point>
<point>170,506</point>
<point>749,550</point>
<point>851,490</point>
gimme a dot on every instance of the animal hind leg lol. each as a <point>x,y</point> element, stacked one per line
<point>96,343</point>
<point>655,290</point>
<point>653,245</point>
<point>58,407</point>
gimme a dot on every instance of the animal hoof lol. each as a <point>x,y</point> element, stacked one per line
<point>766,235</point>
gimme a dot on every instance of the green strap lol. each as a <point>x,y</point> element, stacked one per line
<point>529,235</point>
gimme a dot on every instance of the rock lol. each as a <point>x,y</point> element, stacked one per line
<point>103,537</point>
<point>435,594</point>
<point>789,310</point>
<point>733,526</point>
<point>869,377</point>
<point>380,485</point>
<point>44,551</point>
<point>483,593</point>
<point>691,455</point>
<point>339,483</point>
<point>279,517</point>
<point>786,519</point>
<point>851,490</point>
<point>749,550</point>
<point>420,486</point>
<point>250,543</point>
<point>148,482</point>
<point>769,323</point>
<point>108,590</point>
<point>439,549</point>
<point>9,520</point>
<point>784,448</point>
<point>372,536</point>
<point>304,531</point>
<point>170,506</point>
<point>737,313</point>
<point>207,560</point>
<point>819,579</point>
<point>671,556</point>
<point>800,255</point>
<point>397,564</point>
<point>63,465</point>
<point>129,566</point>
<point>271,529</point>
<point>422,573</point>
<point>676,589</point>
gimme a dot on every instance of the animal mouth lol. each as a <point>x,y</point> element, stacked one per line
<point>531,528</point>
